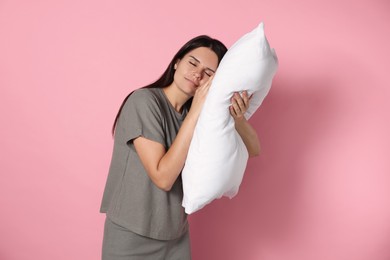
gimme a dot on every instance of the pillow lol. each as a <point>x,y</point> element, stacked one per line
<point>217,156</point>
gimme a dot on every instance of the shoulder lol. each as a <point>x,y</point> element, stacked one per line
<point>144,98</point>
<point>145,95</point>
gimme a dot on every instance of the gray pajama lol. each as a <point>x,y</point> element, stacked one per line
<point>121,244</point>
<point>143,219</point>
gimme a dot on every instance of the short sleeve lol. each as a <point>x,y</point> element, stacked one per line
<point>141,116</point>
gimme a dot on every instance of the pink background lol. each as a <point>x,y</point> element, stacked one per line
<point>320,190</point>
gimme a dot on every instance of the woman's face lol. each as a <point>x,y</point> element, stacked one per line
<point>194,69</point>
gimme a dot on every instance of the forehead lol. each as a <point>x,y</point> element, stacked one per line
<point>205,56</point>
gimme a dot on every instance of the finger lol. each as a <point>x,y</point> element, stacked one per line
<point>245,98</point>
<point>209,81</point>
<point>240,101</point>
<point>204,88</point>
<point>236,108</point>
<point>232,111</point>
<point>235,112</point>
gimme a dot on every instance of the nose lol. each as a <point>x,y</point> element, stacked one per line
<point>197,75</point>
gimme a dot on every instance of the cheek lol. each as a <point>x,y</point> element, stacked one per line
<point>180,76</point>
<point>189,73</point>
<point>179,73</point>
<point>183,70</point>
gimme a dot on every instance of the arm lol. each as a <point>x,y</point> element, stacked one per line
<point>245,130</point>
<point>163,167</point>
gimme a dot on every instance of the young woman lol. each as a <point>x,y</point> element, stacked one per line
<point>153,131</point>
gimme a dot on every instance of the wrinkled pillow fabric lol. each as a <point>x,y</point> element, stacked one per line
<point>217,157</point>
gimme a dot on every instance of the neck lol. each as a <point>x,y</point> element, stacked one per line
<point>176,97</point>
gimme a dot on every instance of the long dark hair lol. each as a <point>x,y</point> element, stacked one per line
<point>167,77</point>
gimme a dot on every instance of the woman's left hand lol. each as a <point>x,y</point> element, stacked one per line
<point>239,106</point>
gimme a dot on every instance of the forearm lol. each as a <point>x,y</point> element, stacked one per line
<point>172,163</point>
<point>163,167</point>
<point>248,135</point>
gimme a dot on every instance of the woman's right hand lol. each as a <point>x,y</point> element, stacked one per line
<point>200,97</point>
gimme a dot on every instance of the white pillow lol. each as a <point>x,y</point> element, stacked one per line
<point>217,156</point>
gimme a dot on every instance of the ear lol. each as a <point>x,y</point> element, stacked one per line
<point>175,66</point>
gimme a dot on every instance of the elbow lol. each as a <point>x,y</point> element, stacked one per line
<point>160,180</point>
<point>166,188</point>
<point>163,185</point>
<point>254,153</point>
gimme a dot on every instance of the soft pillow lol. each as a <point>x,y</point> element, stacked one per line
<point>217,156</point>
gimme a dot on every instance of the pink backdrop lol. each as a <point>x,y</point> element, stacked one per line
<point>319,190</point>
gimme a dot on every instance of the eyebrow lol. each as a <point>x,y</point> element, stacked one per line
<point>199,62</point>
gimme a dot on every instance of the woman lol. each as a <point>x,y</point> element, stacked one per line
<point>153,131</point>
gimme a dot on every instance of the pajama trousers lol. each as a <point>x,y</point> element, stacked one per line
<point>120,243</point>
